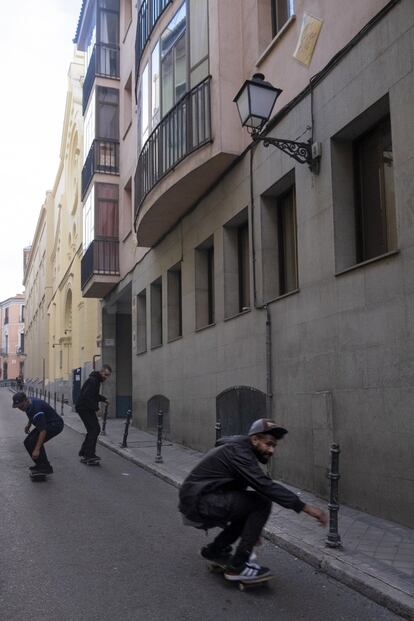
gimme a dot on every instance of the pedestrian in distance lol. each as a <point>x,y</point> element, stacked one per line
<point>215,494</point>
<point>87,406</point>
<point>46,424</point>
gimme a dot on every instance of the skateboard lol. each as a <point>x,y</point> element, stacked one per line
<point>90,462</point>
<point>38,476</point>
<point>218,568</point>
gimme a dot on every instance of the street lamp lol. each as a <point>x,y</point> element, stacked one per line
<point>255,101</point>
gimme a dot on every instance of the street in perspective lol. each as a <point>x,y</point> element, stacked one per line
<point>108,543</point>
<point>206,310</point>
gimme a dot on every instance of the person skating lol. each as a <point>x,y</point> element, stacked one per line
<point>47,424</point>
<point>215,494</point>
<point>87,407</point>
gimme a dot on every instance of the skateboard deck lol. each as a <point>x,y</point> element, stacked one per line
<point>90,462</point>
<point>242,584</point>
<point>38,476</point>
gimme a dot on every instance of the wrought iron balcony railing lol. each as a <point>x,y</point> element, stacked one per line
<point>105,63</point>
<point>103,157</point>
<point>149,13</point>
<point>183,130</point>
<point>101,257</point>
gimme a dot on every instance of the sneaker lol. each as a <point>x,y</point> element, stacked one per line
<point>247,572</point>
<point>216,556</point>
<point>44,469</point>
<point>96,457</point>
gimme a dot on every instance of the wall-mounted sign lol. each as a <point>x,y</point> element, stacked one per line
<point>308,36</point>
<point>109,342</point>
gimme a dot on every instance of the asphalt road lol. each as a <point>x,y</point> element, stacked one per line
<point>107,544</point>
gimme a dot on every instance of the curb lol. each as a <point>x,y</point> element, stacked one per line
<point>368,585</point>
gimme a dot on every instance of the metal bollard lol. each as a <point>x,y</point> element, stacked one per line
<point>105,416</point>
<point>54,400</point>
<point>218,430</point>
<point>127,424</point>
<point>36,393</point>
<point>333,539</point>
<point>48,397</point>
<point>160,425</point>
<point>61,405</point>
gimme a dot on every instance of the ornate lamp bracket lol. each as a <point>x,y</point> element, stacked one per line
<point>302,152</point>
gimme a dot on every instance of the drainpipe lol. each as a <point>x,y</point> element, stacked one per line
<point>269,383</point>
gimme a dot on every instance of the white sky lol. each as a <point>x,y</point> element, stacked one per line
<point>35,49</point>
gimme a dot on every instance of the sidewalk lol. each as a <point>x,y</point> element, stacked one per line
<point>377,558</point>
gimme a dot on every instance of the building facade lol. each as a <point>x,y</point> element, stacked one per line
<point>12,351</point>
<point>251,285</point>
<point>37,281</point>
<point>63,328</point>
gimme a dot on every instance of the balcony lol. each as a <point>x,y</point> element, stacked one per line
<point>103,157</point>
<point>186,128</point>
<point>149,13</point>
<point>104,63</point>
<point>4,353</point>
<point>100,268</point>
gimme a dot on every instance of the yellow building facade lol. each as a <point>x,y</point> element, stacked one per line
<point>61,322</point>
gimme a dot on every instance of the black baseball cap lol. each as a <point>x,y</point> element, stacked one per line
<point>266,425</point>
<point>18,398</point>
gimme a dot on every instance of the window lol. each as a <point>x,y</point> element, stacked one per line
<point>6,315</point>
<point>204,283</point>
<point>156,313</point>
<point>174,299</point>
<point>374,197</point>
<point>89,219</point>
<point>174,60</point>
<point>279,241</point>
<point>107,117</point>
<point>144,106</point>
<point>236,265</point>
<point>142,322</point>
<point>126,220</point>
<point>106,211</point>
<point>21,344</point>
<point>22,309</point>
<point>155,86</point>
<point>127,105</point>
<point>281,11</point>
<point>363,188</point>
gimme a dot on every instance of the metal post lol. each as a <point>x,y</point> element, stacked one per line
<point>54,400</point>
<point>160,424</point>
<point>48,396</point>
<point>127,423</point>
<point>334,539</point>
<point>105,416</point>
<point>218,430</point>
<point>36,393</point>
<point>61,405</point>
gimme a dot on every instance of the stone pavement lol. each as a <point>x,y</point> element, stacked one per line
<point>377,558</point>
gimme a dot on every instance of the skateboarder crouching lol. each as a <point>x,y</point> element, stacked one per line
<point>215,494</point>
<point>47,424</point>
<point>87,407</point>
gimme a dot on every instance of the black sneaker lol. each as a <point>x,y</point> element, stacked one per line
<point>247,572</point>
<point>96,457</point>
<point>216,556</point>
<point>44,469</point>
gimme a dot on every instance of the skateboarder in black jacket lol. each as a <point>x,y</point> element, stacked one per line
<point>87,407</point>
<point>46,424</point>
<point>215,494</point>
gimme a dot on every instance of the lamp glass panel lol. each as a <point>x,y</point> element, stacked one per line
<point>262,100</point>
<point>243,105</point>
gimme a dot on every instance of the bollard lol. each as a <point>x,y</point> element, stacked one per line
<point>36,393</point>
<point>334,539</point>
<point>218,430</point>
<point>54,400</point>
<point>105,416</point>
<point>127,423</point>
<point>61,405</point>
<point>48,397</point>
<point>160,424</point>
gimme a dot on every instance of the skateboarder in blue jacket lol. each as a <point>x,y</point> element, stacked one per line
<point>46,424</point>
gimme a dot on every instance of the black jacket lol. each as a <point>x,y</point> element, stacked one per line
<point>232,465</point>
<point>89,395</point>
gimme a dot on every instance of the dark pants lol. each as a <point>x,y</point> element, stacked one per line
<point>31,441</point>
<point>244,514</point>
<point>93,429</point>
